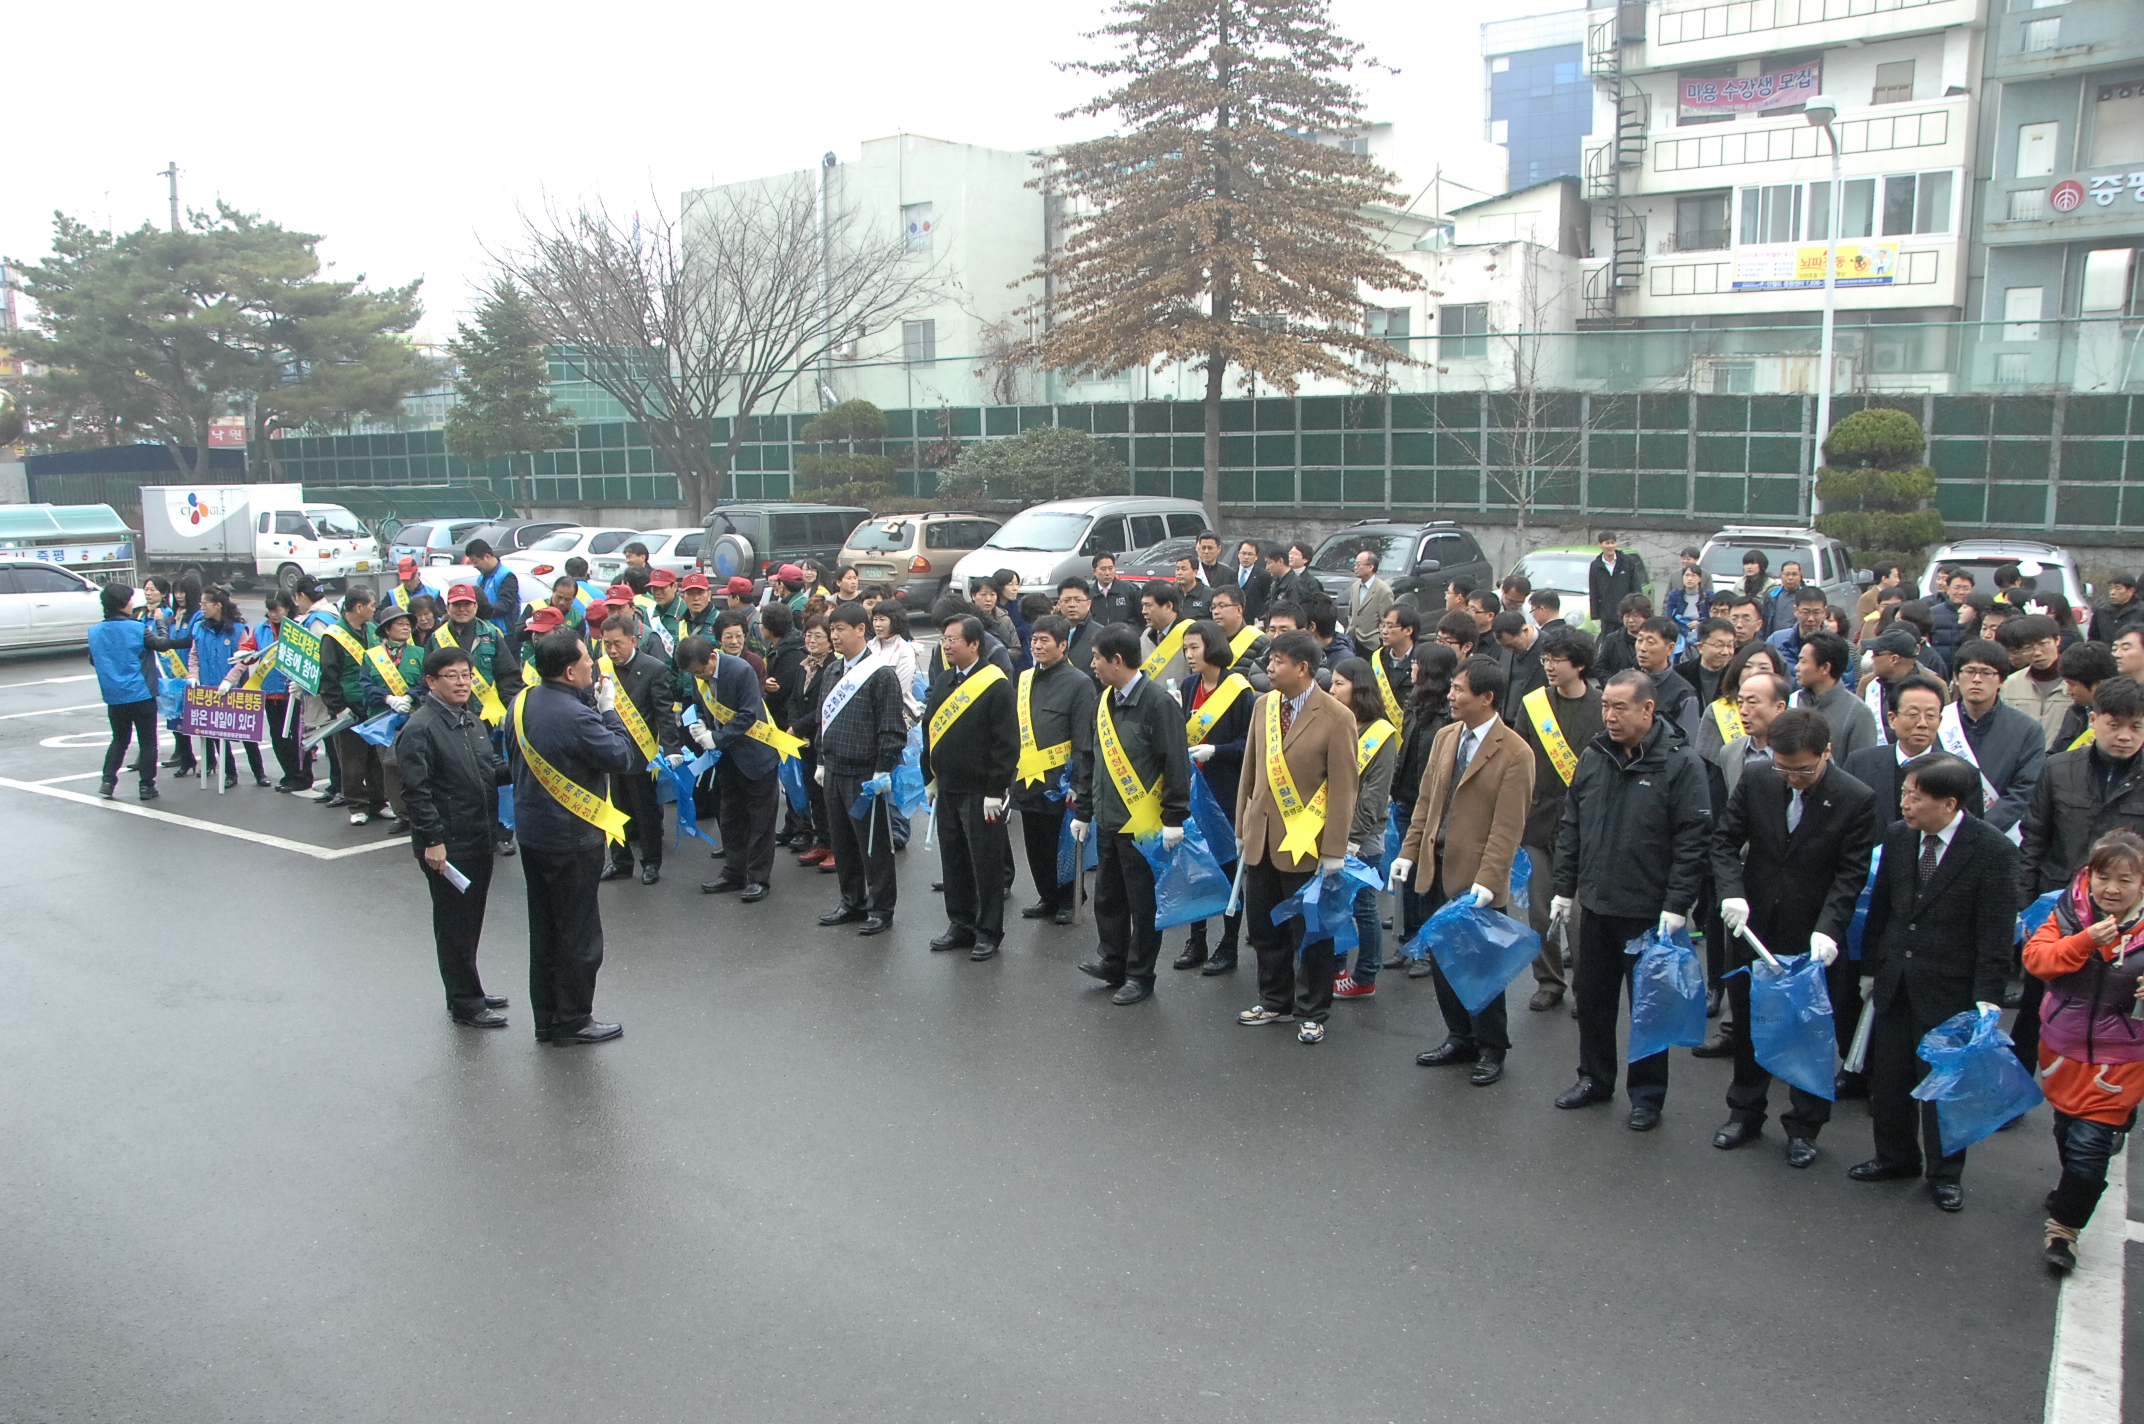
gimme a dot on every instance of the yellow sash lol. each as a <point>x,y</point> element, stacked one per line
<point>1373,736</point>
<point>487,697</point>
<point>1036,763</point>
<point>1729,717</point>
<point>761,730</point>
<point>1143,803</point>
<point>340,632</point>
<point>385,667</point>
<point>1166,650</point>
<point>1224,697</point>
<point>1553,741</point>
<point>2084,738</point>
<point>636,726</point>
<point>564,789</point>
<point>262,666</point>
<point>1303,819</point>
<point>1242,641</point>
<point>972,686</point>
<point>1393,710</point>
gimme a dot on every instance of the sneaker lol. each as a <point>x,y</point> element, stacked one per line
<point>105,789</point>
<point>1352,988</point>
<point>1310,1031</point>
<point>2060,1255</point>
<point>360,818</point>
<point>1253,1017</point>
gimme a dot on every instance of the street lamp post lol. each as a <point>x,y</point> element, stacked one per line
<point>1820,111</point>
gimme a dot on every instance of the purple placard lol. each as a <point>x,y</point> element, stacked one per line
<point>240,715</point>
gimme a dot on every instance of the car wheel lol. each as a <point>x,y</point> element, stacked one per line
<point>288,577</point>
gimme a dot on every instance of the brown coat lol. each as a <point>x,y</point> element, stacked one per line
<point>1320,749</point>
<point>1488,813</point>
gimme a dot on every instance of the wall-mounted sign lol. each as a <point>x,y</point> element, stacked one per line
<point>1775,90</point>
<point>1776,267</point>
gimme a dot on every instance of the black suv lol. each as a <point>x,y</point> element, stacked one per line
<point>778,534</point>
<point>1417,559</point>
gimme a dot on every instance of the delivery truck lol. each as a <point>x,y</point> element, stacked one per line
<point>242,533</point>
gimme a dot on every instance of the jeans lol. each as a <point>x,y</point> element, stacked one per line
<point>131,722</point>
<point>2084,1147</point>
<point>1369,929</point>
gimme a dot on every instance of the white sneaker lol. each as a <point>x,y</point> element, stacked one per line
<point>1310,1031</point>
<point>359,818</point>
<point>1253,1017</point>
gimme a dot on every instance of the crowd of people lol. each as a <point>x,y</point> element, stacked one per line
<point>1882,789</point>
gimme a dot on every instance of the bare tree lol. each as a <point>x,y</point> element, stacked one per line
<point>718,311</point>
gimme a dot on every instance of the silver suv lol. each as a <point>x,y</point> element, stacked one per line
<point>1982,557</point>
<point>1825,561</point>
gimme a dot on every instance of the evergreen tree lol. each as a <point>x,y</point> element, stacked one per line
<point>1043,462</point>
<point>1217,230</point>
<point>503,400</point>
<point>845,475</point>
<point>1876,491</point>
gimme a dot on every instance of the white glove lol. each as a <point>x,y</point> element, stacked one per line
<point>1330,864</point>
<point>1171,837</point>
<point>1559,911</point>
<point>1734,914</point>
<point>1202,753</point>
<point>1402,876</point>
<point>1354,848</point>
<point>399,702</point>
<point>1987,1008</point>
<point>1483,895</point>
<point>1823,949</point>
<point>993,808</point>
<point>230,680</point>
<point>606,695</point>
<point>818,774</point>
<point>675,759</point>
<point>1670,922</point>
<point>705,740</point>
<point>1079,830</point>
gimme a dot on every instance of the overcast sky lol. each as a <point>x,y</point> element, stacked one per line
<point>408,133</point>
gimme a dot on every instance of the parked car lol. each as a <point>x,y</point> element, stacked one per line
<point>45,606</point>
<point>544,562</point>
<point>1157,564</point>
<point>1825,561</point>
<point>1564,572</point>
<point>510,535</point>
<point>440,542</point>
<point>677,550</point>
<point>1418,559</point>
<point>914,554</point>
<point>1046,543</point>
<point>755,539</point>
<point>2056,566</point>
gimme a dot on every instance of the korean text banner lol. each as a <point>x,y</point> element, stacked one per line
<point>239,715</point>
<point>1774,267</point>
<point>1775,90</point>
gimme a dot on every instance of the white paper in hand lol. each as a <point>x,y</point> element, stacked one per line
<point>454,877</point>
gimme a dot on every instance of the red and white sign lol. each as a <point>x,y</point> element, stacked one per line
<point>1775,90</point>
<point>2066,196</point>
<point>227,430</point>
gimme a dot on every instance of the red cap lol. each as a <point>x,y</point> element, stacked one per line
<point>693,580</point>
<point>661,578</point>
<point>619,592</point>
<point>462,593</point>
<point>407,566</point>
<point>546,619</point>
<point>742,587</point>
<point>789,573</point>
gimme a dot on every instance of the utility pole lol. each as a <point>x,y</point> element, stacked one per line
<point>171,172</point>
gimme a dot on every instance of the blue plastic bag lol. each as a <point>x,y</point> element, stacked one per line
<point>1479,950</point>
<point>908,793</point>
<point>1974,1078</point>
<point>1326,906</point>
<point>1188,883</point>
<point>2037,914</point>
<point>872,789</point>
<point>1860,920</point>
<point>1071,853</point>
<point>1790,1023</point>
<point>506,806</point>
<point>1395,836</point>
<point>380,731</point>
<point>171,699</point>
<point>1212,821</point>
<point>1667,995</point>
<point>675,783</point>
<point>792,774</point>
<point>1522,875</point>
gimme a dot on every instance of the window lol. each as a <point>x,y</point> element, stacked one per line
<point>2106,279</point>
<point>1107,537</point>
<point>1857,213</point>
<point>1701,222</point>
<point>1449,550</point>
<point>289,521</point>
<point>612,542</point>
<point>1894,83</point>
<point>916,226</point>
<point>1148,530</point>
<point>831,531</point>
<point>1734,378</point>
<point>2041,35</point>
<point>919,342</point>
<point>1389,324</point>
<point>2021,309</point>
<point>1916,203</point>
<point>950,534</point>
<point>1464,331</point>
<point>29,578</point>
<point>688,547</point>
<point>1186,526</point>
<point>2028,205</point>
<point>792,534</point>
<point>1772,214</point>
<point>2118,124</point>
<point>2036,149</point>
<point>2012,368</point>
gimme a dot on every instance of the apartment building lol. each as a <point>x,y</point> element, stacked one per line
<point>1539,102</point>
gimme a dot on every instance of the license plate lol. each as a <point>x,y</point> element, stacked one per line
<point>875,571</point>
<point>363,565</point>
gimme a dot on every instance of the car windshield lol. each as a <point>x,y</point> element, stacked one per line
<point>1723,562</point>
<point>1565,573</point>
<point>565,539</point>
<point>334,523</point>
<point>2048,579</point>
<point>882,537</point>
<point>413,535</point>
<point>1337,554</point>
<point>1047,531</point>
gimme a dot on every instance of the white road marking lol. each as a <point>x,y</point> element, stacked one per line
<point>47,681</point>
<point>70,740</point>
<point>50,711</point>
<point>2136,1232</point>
<point>152,813</point>
<point>2084,1378</point>
<point>78,776</point>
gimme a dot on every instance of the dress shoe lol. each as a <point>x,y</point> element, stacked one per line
<point>1800,1152</point>
<point>615,871</point>
<point>1040,911</point>
<point>814,855</point>
<point>590,1032</point>
<point>1062,917</point>
<point>398,827</point>
<point>1219,965</point>
<point>1193,956</point>
<point>1736,1134</point>
<point>722,885</point>
<point>333,799</point>
<point>1487,1071</point>
<point>1544,999</point>
<point>937,887</point>
<point>506,847</point>
<point>754,892</point>
<point>846,915</point>
<point>106,788</point>
<point>1643,1119</point>
<point>497,1001</point>
<point>1451,1051</point>
<point>982,952</point>
<point>482,1018</point>
<point>1949,1196</point>
<point>149,793</point>
<point>2060,1255</point>
<point>1131,991</point>
<point>649,874</point>
<point>1720,1045</point>
<point>827,867</point>
<point>1095,969</point>
<point>1877,1170</point>
<point>1584,1093</point>
<point>169,761</point>
<point>262,781</point>
<point>875,925</point>
<point>954,939</point>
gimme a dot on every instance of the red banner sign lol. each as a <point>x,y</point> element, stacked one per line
<point>1748,95</point>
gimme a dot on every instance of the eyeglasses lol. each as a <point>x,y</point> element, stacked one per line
<point>456,675</point>
<point>1798,773</point>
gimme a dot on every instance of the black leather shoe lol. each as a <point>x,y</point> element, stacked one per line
<point>615,871</point>
<point>1062,917</point>
<point>937,887</point>
<point>1487,1071</point>
<point>497,1001</point>
<point>1644,1119</point>
<point>1094,969</point>
<point>1131,991</point>
<point>954,939</point>
<point>149,793</point>
<point>1584,1093</point>
<point>1875,1170</point>
<point>649,874</point>
<point>1800,1152</point>
<point>982,952</point>
<point>1544,999</point>
<point>754,892</point>
<point>875,925</point>
<point>106,788</point>
<point>1737,1134</point>
<point>1218,965</point>
<point>505,848</point>
<point>1720,1045</point>
<point>722,885</point>
<point>846,915</point>
<point>1450,1051</point>
<point>1193,956</point>
<point>1038,912</point>
<point>482,1018</point>
<point>1949,1196</point>
<point>590,1032</point>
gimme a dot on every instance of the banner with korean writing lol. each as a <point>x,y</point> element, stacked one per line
<point>1787,266</point>
<point>240,715</point>
<point>297,655</point>
<point>1774,90</point>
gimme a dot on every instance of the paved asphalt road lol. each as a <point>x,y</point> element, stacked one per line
<point>253,1174</point>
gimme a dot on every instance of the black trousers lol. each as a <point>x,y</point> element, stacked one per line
<point>1040,831</point>
<point>866,875</point>
<point>971,851</point>
<point>1806,1113</point>
<point>131,722</point>
<point>1602,977</point>
<point>457,924</point>
<point>287,756</point>
<point>565,935</point>
<point>364,780</point>
<point>2025,1027</point>
<point>1124,910</point>
<point>822,828</point>
<point>634,794</point>
<point>1903,1123</point>
<point>1489,1031</point>
<point>230,757</point>
<point>747,814</point>
<point>1291,979</point>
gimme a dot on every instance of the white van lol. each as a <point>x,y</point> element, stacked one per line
<point>1058,540</point>
<point>238,533</point>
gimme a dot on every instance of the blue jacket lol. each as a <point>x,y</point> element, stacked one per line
<point>584,746</point>
<point>214,651</point>
<point>123,649</point>
<point>1686,609</point>
<point>274,684</point>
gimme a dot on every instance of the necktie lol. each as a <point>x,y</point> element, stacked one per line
<point>1461,755</point>
<point>1287,716</point>
<point>1794,812</point>
<point>1931,853</point>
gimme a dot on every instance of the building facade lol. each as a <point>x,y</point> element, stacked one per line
<point>1539,99</point>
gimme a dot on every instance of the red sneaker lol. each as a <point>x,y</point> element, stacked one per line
<point>1347,988</point>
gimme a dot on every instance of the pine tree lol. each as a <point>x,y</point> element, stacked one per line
<point>1218,230</point>
<point>504,402</point>
<point>1876,491</point>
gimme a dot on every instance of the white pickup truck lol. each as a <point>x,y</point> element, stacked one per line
<point>245,532</point>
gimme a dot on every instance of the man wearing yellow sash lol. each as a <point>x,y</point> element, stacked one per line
<point>343,643</point>
<point>732,719</point>
<point>390,677</point>
<point>1055,704</point>
<point>1393,661</point>
<point>1556,722</point>
<point>1161,646</point>
<point>1246,644</point>
<point>1075,604</point>
<point>408,584</point>
<point>1136,781</point>
<point>566,738</point>
<point>1294,808</point>
<point>498,678</point>
<point>1217,701</point>
<point>643,705</point>
<point>971,748</point>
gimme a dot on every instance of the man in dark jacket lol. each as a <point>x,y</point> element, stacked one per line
<point>1251,579</point>
<point>1075,604</point>
<point>1630,852</point>
<point>1617,649</point>
<point>1942,920</point>
<point>566,737</point>
<point>1947,630</point>
<point>450,787</point>
<point>785,649</point>
<point>645,687</point>
<point>498,590</point>
<point>971,746</point>
<point>1790,856</point>
<point>1614,575</point>
<point>2006,745</point>
<point>2122,611</point>
<point>730,716</point>
<point>1558,722</point>
<point>1916,709</point>
<point>863,730</point>
<point>1054,702</point>
<point>1246,644</point>
<point>1115,601</point>
<point>343,644</point>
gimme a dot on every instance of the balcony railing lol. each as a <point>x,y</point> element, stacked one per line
<point>1742,17</point>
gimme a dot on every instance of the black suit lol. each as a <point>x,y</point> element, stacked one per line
<point>974,759</point>
<point>647,684</point>
<point>1877,768</point>
<point>1935,950</point>
<point>1079,649</point>
<point>1797,883</point>
<point>1257,590</point>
